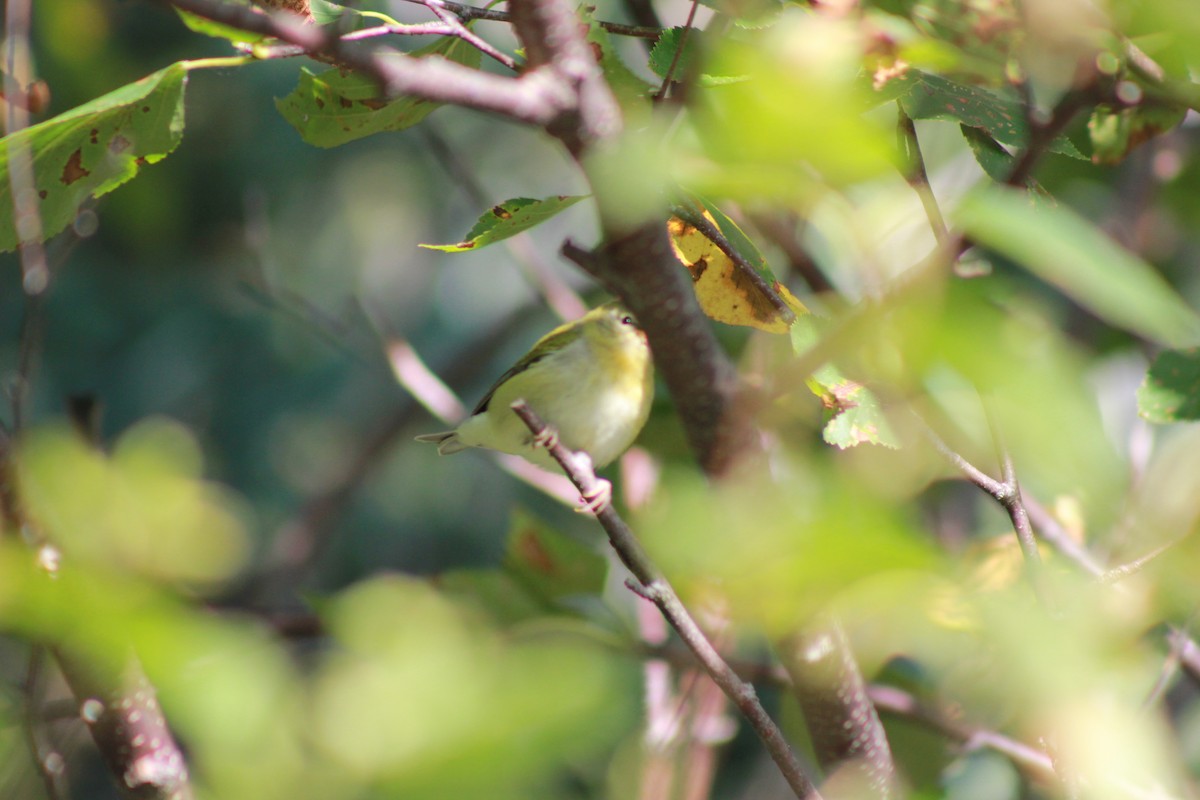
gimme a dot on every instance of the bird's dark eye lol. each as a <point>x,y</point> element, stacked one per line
<point>627,320</point>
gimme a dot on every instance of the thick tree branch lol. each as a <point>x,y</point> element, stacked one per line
<point>832,694</point>
<point>650,583</point>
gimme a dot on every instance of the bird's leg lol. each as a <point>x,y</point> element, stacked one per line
<point>547,438</point>
<point>599,495</point>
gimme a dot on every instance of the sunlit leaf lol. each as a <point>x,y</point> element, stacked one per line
<point>727,291</point>
<point>335,107</point>
<point>93,148</point>
<point>1065,250</point>
<point>1171,390</point>
<point>853,413</point>
<point>220,30</point>
<point>508,219</point>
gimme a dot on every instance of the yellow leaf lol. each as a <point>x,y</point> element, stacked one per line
<point>727,292</point>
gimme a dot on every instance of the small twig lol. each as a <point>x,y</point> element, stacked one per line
<point>1178,642</point>
<point>1041,134</point>
<point>1123,571</point>
<point>1034,762</point>
<point>651,585</point>
<point>1006,492</point>
<point>683,40</point>
<point>448,16</point>
<point>916,175</point>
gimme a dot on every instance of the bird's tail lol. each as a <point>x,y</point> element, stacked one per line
<point>447,442</point>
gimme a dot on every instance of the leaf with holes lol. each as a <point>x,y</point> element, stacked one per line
<point>94,148</point>
<point>336,107</point>
<point>508,219</point>
<point>1171,390</point>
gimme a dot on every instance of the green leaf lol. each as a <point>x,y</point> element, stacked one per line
<point>996,162</point>
<point>508,219</point>
<point>1065,250</point>
<point>1114,132</point>
<point>626,85</point>
<point>663,53</point>
<point>334,107</point>
<point>854,414</point>
<point>219,30</point>
<point>934,97</point>
<point>327,13</point>
<point>1171,390</point>
<point>664,50</point>
<point>92,149</point>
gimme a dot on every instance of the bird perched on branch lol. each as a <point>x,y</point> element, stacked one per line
<point>590,380</point>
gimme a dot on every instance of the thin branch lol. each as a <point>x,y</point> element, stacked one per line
<point>1006,492</point>
<point>649,582</point>
<point>683,40</point>
<point>460,30</point>
<point>1042,134</point>
<point>1034,762</point>
<point>915,173</point>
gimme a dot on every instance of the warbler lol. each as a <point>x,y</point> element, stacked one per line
<point>590,380</point>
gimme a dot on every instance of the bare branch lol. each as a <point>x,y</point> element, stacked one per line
<point>538,97</point>
<point>650,583</point>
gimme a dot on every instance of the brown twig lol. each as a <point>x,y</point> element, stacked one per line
<point>1006,492</point>
<point>890,700</point>
<point>450,18</point>
<point>683,40</point>
<point>648,582</point>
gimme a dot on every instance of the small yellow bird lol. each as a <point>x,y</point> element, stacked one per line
<point>591,380</point>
